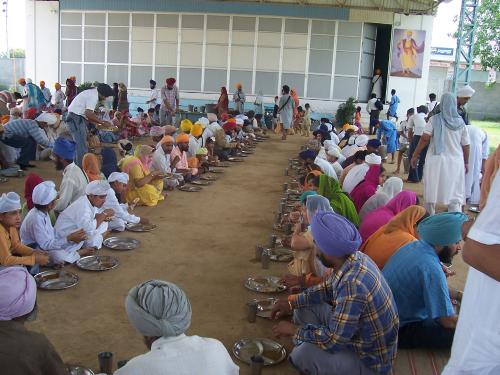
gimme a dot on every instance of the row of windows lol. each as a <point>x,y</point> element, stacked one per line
<point>190,79</point>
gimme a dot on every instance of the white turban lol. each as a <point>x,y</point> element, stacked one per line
<point>214,126</point>
<point>334,152</point>
<point>351,140</point>
<point>373,159</point>
<point>211,117</point>
<point>17,293</point>
<point>328,144</point>
<point>239,121</point>
<point>10,202</point>
<point>158,308</point>
<point>97,187</point>
<point>118,176</point>
<point>204,122</point>
<point>362,140</point>
<point>44,193</point>
<point>49,118</point>
<point>465,92</point>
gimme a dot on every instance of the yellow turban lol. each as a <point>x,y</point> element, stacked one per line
<point>196,130</point>
<point>186,125</point>
<point>182,138</point>
<point>57,86</point>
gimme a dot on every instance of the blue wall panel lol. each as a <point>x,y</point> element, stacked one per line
<point>207,6</point>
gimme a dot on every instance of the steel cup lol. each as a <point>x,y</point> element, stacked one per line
<point>273,240</point>
<point>265,259</point>
<point>257,364</point>
<point>258,252</point>
<point>105,362</point>
<point>252,312</point>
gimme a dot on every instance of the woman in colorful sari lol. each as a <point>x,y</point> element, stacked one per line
<point>143,185</point>
<point>382,215</point>
<point>389,238</point>
<point>340,201</point>
<point>368,187</point>
<point>92,167</point>
<point>223,103</point>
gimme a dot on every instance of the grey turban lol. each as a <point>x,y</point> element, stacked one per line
<point>158,308</point>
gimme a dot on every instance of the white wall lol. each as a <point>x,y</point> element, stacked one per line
<point>412,91</point>
<point>42,36</point>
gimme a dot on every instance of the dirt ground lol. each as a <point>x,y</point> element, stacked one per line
<point>204,243</point>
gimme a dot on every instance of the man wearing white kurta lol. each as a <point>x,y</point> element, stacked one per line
<point>37,230</point>
<point>118,182</point>
<point>476,345</point>
<point>478,154</point>
<point>447,158</point>
<point>85,213</point>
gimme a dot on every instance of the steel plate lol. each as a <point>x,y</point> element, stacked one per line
<point>265,284</point>
<point>97,263</point>
<point>264,306</point>
<point>281,255</point>
<point>207,177</point>
<point>271,351</point>
<point>235,160</point>
<point>140,227</point>
<point>56,280</point>
<point>190,189</point>
<point>474,209</point>
<point>121,243</point>
<point>200,182</point>
<point>79,370</point>
<point>215,170</point>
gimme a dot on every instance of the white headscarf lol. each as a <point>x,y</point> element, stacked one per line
<point>391,187</point>
<point>354,177</point>
<point>315,203</point>
<point>10,202</point>
<point>49,118</point>
<point>465,92</point>
<point>362,140</point>
<point>373,159</point>
<point>118,176</point>
<point>44,193</point>
<point>158,308</point>
<point>97,187</point>
<point>448,117</point>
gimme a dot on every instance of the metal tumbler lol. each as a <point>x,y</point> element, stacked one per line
<point>105,362</point>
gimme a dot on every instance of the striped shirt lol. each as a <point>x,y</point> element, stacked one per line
<point>27,128</point>
<point>363,319</point>
<point>7,97</point>
<point>171,96</point>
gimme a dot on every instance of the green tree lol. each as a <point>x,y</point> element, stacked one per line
<point>487,43</point>
<point>16,53</point>
<point>345,112</point>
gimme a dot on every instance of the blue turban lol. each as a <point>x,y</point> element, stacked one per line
<point>64,148</point>
<point>334,234</point>
<point>375,143</point>
<point>323,128</point>
<point>442,229</point>
<point>307,154</point>
<point>304,195</point>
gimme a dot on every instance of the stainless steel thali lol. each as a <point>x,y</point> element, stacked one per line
<point>216,170</point>
<point>207,177</point>
<point>97,263</point>
<point>121,243</point>
<point>190,189</point>
<point>56,280</point>
<point>200,182</point>
<point>140,227</point>
<point>235,159</point>
<point>272,352</point>
<point>265,284</point>
<point>281,255</point>
<point>264,306</point>
<point>79,370</point>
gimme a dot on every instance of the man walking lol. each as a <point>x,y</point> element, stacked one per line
<point>239,99</point>
<point>169,102</point>
<point>393,106</point>
<point>81,112</point>
<point>416,126</point>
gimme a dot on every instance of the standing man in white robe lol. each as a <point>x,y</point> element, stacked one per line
<point>478,154</point>
<point>37,230</point>
<point>119,182</point>
<point>447,158</point>
<point>85,213</point>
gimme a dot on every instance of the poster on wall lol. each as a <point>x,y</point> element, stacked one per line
<point>407,53</point>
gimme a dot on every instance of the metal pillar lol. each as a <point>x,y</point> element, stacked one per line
<point>465,43</point>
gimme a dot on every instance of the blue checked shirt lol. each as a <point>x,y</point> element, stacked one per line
<point>363,318</point>
<point>27,128</point>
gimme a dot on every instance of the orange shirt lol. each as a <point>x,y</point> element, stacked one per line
<point>11,244</point>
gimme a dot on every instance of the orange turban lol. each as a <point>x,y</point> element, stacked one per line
<point>196,130</point>
<point>182,138</point>
<point>167,139</point>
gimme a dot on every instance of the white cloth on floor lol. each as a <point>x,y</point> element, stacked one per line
<point>81,215</point>
<point>182,355</point>
<point>476,344</point>
<point>37,229</point>
<point>444,174</point>
<point>121,216</point>
<point>478,152</point>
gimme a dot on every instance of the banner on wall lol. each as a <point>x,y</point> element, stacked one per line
<point>407,53</point>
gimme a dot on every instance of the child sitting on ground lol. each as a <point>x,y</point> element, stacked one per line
<point>12,251</point>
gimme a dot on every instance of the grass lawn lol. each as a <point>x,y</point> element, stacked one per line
<point>492,128</point>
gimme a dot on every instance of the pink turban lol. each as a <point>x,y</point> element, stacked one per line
<point>17,293</point>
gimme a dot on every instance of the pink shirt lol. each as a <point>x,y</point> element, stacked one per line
<point>183,162</point>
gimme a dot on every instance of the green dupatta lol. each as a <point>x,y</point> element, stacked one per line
<point>340,201</point>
